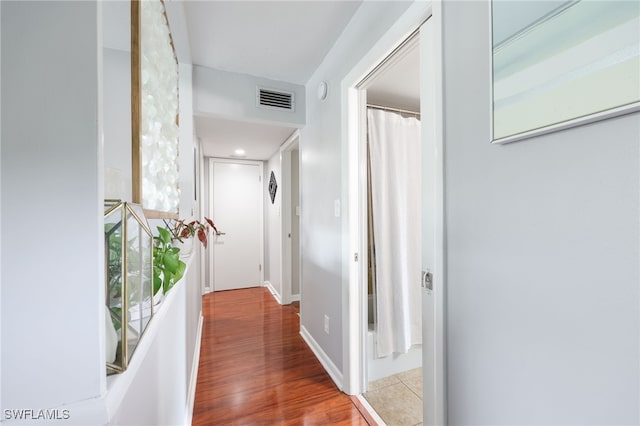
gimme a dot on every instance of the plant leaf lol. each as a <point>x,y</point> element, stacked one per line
<point>164,235</point>
<point>171,262</point>
<point>179,271</point>
<point>157,283</point>
<point>202,236</point>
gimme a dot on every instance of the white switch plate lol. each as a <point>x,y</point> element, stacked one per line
<point>326,324</point>
<point>297,210</point>
<point>336,208</point>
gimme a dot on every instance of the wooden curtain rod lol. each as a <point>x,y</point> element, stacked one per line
<point>402,111</point>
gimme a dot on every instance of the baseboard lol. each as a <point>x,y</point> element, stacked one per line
<point>191,392</point>
<point>364,404</point>
<point>329,366</point>
<point>273,291</point>
<point>295,297</point>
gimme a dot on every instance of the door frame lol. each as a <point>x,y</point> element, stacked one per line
<point>354,103</point>
<point>260,165</point>
<point>286,250</point>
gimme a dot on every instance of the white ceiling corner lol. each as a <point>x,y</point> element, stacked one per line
<point>279,40</point>
<point>220,137</point>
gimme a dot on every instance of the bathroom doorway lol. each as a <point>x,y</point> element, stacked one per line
<point>423,22</point>
<point>393,210</point>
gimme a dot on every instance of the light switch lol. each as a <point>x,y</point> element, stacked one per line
<point>297,210</point>
<point>336,208</point>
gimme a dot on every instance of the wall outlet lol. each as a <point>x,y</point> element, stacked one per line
<point>326,324</point>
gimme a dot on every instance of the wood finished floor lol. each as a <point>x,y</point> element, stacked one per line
<point>255,369</point>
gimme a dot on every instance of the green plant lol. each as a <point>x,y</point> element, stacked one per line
<point>168,269</point>
<point>183,229</point>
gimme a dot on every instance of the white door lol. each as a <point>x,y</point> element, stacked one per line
<point>237,212</point>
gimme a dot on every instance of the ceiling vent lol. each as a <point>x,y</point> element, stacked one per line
<point>275,99</point>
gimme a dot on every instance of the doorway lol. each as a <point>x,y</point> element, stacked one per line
<point>425,20</point>
<point>393,166</point>
<point>290,219</point>
<point>236,255</point>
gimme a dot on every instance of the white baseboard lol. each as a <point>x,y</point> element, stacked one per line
<point>295,297</point>
<point>329,366</point>
<point>273,291</point>
<point>371,410</point>
<point>191,392</point>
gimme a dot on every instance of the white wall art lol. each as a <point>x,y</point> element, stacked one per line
<point>156,172</point>
<point>559,64</point>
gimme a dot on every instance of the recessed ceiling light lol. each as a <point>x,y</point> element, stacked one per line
<point>239,151</point>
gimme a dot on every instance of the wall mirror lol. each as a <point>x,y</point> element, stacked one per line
<point>154,111</point>
<point>559,64</point>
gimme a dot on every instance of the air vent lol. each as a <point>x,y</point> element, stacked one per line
<point>274,99</point>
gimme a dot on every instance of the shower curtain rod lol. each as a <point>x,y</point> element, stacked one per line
<point>402,111</point>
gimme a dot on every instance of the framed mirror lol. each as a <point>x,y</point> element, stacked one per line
<point>558,64</point>
<point>154,111</point>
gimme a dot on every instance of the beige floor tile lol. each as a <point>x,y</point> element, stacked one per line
<point>413,380</point>
<point>414,374</point>
<point>415,385</point>
<point>383,383</point>
<point>396,404</point>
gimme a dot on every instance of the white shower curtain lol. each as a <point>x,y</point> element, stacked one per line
<point>394,144</point>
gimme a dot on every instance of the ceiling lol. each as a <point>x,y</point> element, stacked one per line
<point>221,137</point>
<point>397,85</point>
<point>279,40</point>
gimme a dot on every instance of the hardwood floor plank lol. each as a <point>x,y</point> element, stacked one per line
<point>255,369</point>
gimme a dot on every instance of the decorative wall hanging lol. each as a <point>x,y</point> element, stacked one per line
<point>273,187</point>
<point>560,64</point>
<point>154,109</point>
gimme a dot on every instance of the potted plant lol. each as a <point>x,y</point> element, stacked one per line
<point>182,231</point>
<point>168,269</point>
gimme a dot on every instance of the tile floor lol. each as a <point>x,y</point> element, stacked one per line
<point>398,398</point>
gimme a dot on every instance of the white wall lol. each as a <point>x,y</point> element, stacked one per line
<point>233,95</point>
<point>53,274</point>
<point>542,257</point>
<point>117,121</point>
<point>1,404</point>
<point>273,226</point>
<point>154,390</point>
<point>52,254</point>
<point>324,236</point>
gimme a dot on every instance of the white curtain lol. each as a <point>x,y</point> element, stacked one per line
<point>394,144</point>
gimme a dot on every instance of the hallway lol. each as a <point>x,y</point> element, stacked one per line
<point>256,369</point>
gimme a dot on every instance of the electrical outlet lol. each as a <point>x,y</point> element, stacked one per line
<point>326,324</point>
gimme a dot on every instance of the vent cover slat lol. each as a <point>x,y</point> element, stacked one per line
<point>274,99</point>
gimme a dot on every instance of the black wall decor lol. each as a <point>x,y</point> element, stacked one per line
<point>273,187</point>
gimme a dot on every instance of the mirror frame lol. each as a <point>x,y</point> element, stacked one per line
<point>549,128</point>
